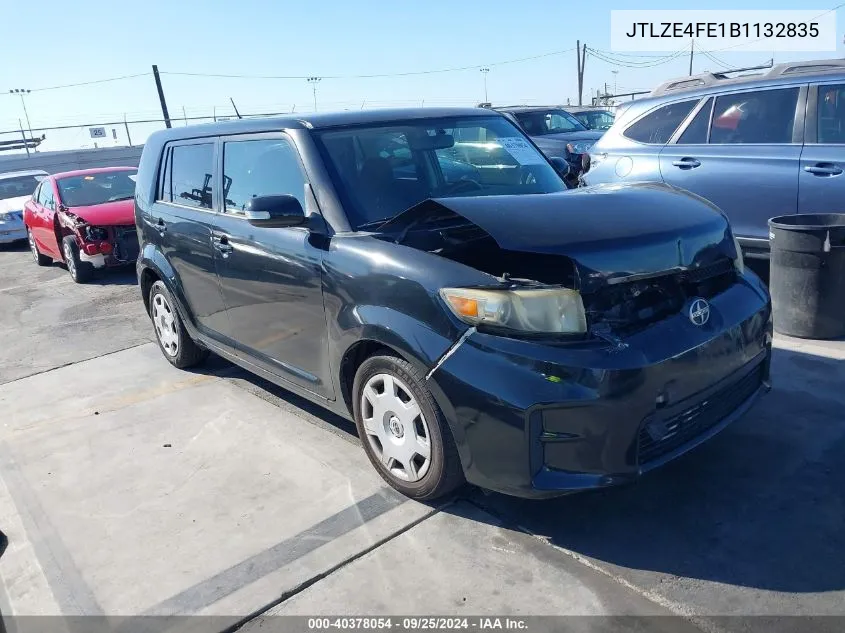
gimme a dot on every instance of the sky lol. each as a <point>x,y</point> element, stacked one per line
<point>63,43</point>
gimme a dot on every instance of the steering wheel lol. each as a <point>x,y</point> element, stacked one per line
<point>527,176</point>
<point>464,184</point>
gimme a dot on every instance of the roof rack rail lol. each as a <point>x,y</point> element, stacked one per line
<point>813,66</point>
<point>702,80</point>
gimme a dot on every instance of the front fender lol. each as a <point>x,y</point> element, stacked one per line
<point>413,341</point>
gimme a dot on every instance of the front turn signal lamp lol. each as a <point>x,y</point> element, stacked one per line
<point>531,311</point>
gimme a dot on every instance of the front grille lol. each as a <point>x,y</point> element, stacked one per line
<point>126,246</point>
<point>627,308</point>
<point>658,438</point>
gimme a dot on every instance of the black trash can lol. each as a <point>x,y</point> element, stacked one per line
<point>807,274</point>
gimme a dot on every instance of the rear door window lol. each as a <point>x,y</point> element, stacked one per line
<point>831,115</point>
<point>657,127</point>
<point>191,169</point>
<point>760,116</point>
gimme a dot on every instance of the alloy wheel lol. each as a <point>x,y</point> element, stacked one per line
<point>164,321</point>
<point>70,262</point>
<point>32,246</point>
<point>396,428</point>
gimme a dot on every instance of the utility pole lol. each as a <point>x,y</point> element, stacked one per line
<point>185,116</point>
<point>161,97</point>
<point>21,92</point>
<point>691,49</point>
<point>581,56</point>
<point>314,81</point>
<point>485,71</point>
<point>23,136</point>
<point>615,73</point>
<point>126,125</point>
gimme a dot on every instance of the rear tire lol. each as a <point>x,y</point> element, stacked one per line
<point>171,335</point>
<point>41,260</point>
<point>79,271</point>
<point>404,433</point>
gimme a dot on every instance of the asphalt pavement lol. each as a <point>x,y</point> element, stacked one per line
<point>128,488</point>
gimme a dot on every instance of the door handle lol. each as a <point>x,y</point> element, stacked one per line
<point>161,227</point>
<point>823,169</point>
<point>686,163</point>
<point>221,243</point>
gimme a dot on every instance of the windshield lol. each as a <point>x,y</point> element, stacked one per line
<point>541,122</point>
<point>382,170</point>
<point>18,186</point>
<point>97,188</point>
<point>597,120</point>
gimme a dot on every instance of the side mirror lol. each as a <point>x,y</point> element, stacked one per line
<point>275,212</point>
<point>560,165</point>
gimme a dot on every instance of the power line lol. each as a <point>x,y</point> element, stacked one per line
<point>823,13</point>
<point>89,83</point>
<point>628,64</point>
<point>372,76</point>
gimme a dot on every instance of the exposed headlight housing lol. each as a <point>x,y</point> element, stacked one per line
<point>96,233</point>
<point>534,310</point>
<point>739,260</point>
<point>579,147</point>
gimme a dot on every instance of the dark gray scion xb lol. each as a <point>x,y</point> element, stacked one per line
<point>477,320</point>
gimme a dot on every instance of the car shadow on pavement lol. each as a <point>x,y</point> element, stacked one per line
<point>15,247</point>
<point>115,277</point>
<point>279,396</point>
<point>760,505</point>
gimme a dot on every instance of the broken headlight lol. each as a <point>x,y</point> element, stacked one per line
<point>96,234</point>
<point>545,310</point>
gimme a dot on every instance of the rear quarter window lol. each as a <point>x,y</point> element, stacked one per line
<point>658,126</point>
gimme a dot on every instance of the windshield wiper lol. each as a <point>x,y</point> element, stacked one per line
<point>375,223</point>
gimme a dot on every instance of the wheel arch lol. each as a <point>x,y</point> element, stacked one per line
<point>372,340</point>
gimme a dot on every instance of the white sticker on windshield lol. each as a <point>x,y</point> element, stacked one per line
<point>520,149</point>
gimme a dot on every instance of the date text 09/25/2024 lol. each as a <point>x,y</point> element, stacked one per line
<point>416,623</point>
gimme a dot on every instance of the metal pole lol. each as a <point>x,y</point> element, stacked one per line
<point>161,97</point>
<point>185,116</point>
<point>126,125</point>
<point>214,113</point>
<point>485,72</point>
<point>691,49</point>
<point>23,136</point>
<point>26,114</point>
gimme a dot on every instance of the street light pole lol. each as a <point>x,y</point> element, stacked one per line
<point>615,72</point>
<point>484,71</point>
<point>314,81</point>
<point>21,92</point>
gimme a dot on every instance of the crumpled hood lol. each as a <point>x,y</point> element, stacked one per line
<point>608,231</point>
<point>119,212</point>
<point>13,204</point>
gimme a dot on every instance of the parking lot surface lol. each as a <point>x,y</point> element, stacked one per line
<point>129,487</point>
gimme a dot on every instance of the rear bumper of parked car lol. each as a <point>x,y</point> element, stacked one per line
<point>540,420</point>
<point>12,230</point>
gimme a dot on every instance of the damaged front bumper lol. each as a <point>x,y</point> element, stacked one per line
<point>119,247</point>
<point>539,419</point>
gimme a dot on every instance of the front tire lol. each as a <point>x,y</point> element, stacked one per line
<point>41,260</point>
<point>172,337</point>
<point>79,271</point>
<point>404,432</point>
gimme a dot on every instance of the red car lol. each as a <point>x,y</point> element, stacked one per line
<point>84,218</point>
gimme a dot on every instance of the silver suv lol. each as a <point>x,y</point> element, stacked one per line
<point>757,146</point>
